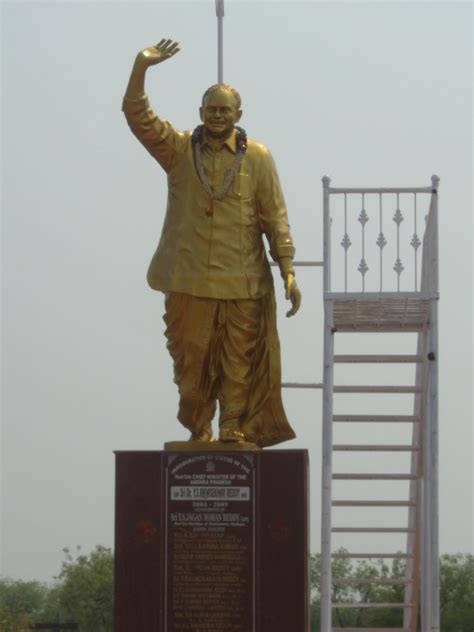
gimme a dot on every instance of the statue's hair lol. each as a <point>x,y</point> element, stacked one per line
<point>227,88</point>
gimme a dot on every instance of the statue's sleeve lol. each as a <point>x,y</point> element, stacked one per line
<point>271,207</point>
<point>159,138</point>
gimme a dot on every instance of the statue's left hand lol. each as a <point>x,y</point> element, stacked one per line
<point>292,293</point>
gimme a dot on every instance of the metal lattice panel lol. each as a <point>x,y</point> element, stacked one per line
<point>385,314</point>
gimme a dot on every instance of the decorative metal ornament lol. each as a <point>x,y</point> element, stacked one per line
<point>398,217</point>
<point>381,241</point>
<point>363,267</point>
<point>415,242</point>
<point>398,267</point>
<point>363,217</point>
<point>346,243</point>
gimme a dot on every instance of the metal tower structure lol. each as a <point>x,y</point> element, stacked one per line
<point>403,301</point>
<point>400,298</point>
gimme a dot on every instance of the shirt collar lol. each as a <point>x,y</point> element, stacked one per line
<point>230,141</point>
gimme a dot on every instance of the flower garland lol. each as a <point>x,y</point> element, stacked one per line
<point>241,137</point>
<point>241,148</point>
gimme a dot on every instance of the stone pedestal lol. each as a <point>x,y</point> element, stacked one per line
<point>212,541</point>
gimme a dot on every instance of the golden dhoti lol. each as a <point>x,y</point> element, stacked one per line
<point>228,351</point>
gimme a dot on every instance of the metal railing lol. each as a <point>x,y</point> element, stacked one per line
<point>374,238</point>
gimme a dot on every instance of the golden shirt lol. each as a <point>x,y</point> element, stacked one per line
<point>220,255</point>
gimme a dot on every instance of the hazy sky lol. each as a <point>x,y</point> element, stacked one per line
<point>370,94</point>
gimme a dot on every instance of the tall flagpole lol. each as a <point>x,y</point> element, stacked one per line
<point>220,40</point>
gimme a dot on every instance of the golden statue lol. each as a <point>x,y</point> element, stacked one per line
<point>223,194</point>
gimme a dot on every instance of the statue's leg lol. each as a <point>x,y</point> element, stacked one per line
<point>237,354</point>
<point>197,415</point>
<point>189,321</point>
<point>265,422</point>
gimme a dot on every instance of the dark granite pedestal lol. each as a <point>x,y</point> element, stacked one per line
<point>212,541</point>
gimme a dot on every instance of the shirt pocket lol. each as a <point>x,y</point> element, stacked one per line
<point>242,186</point>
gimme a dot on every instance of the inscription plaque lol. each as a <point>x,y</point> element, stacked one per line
<point>210,543</point>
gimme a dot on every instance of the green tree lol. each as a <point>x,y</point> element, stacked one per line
<point>380,593</point>
<point>22,603</point>
<point>20,597</point>
<point>341,568</point>
<point>13,622</point>
<point>85,589</point>
<point>457,592</point>
<point>344,568</point>
<point>32,602</point>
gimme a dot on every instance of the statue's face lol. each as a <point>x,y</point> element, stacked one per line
<point>219,114</point>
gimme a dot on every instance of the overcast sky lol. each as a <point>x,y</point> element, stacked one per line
<point>371,94</point>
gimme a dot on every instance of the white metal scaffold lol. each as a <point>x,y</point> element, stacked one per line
<point>384,308</point>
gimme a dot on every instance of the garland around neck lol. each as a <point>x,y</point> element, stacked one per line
<point>241,148</point>
<point>241,137</point>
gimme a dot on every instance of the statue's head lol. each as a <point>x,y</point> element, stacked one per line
<point>220,110</point>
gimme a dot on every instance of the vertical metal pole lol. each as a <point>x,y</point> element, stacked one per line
<point>346,241</point>
<point>415,514</point>
<point>326,503</point>
<point>326,236</point>
<point>398,243</point>
<point>362,262</point>
<point>426,606</point>
<point>415,248</point>
<point>220,40</point>
<point>328,378</point>
<point>433,423</point>
<point>430,584</point>
<point>382,240</point>
<point>433,456</point>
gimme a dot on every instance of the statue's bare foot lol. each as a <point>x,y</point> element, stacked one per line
<point>205,434</point>
<point>230,431</point>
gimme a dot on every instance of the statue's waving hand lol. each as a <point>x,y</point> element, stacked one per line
<point>146,58</point>
<point>161,52</point>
